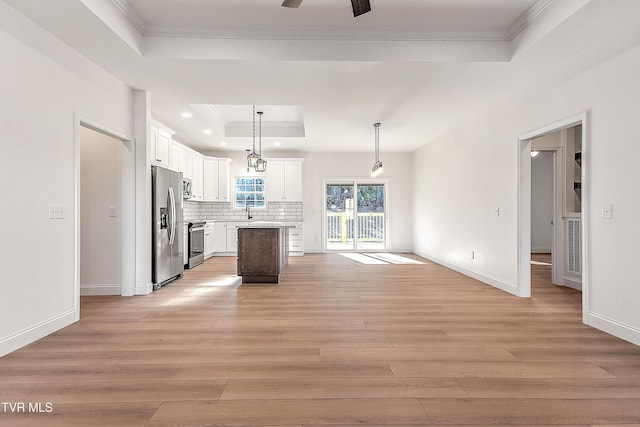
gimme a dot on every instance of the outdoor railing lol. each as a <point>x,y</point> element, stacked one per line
<point>340,227</point>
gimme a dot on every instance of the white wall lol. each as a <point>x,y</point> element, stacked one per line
<point>542,202</point>
<point>398,169</point>
<point>468,172</point>
<point>320,166</point>
<point>43,84</point>
<point>101,189</point>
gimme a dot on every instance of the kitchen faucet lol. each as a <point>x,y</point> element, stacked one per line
<point>247,207</point>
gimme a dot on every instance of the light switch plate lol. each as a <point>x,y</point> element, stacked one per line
<point>112,211</point>
<point>607,211</point>
<point>57,211</point>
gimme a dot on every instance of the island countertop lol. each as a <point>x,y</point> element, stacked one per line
<point>268,224</point>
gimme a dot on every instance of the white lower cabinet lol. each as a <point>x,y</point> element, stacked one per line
<point>296,240</point>
<point>219,237</point>
<point>224,238</point>
<point>208,239</point>
<point>232,235</point>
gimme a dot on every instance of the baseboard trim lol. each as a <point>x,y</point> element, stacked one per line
<point>100,289</point>
<point>391,251</point>
<point>615,328</point>
<point>31,334</point>
<point>144,289</point>
<point>496,283</point>
<point>573,283</point>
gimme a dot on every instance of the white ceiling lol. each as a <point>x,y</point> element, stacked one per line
<point>418,66</point>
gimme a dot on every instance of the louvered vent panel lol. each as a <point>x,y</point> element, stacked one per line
<point>574,243</point>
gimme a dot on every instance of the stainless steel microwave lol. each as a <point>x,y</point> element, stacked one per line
<point>186,188</point>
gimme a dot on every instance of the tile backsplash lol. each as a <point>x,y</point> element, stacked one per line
<point>275,211</point>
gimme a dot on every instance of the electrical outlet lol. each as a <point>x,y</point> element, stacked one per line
<point>57,211</point>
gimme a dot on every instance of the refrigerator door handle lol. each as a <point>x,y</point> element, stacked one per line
<point>172,226</point>
<point>169,216</point>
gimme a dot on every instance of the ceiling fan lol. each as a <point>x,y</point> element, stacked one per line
<point>359,6</point>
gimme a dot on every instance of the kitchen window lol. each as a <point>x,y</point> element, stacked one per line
<point>249,191</point>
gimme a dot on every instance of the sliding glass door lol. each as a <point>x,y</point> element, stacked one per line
<point>355,216</point>
<point>370,224</point>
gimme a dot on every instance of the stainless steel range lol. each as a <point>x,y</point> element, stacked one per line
<point>196,243</point>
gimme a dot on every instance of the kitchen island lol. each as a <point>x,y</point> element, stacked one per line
<point>263,251</point>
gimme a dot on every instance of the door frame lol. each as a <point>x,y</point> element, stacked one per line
<point>356,182</point>
<point>127,211</point>
<point>524,205</point>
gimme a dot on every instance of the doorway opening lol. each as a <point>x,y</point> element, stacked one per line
<point>556,211</point>
<point>355,215</point>
<point>543,178</point>
<point>563,147</point>
<point>104,211</point>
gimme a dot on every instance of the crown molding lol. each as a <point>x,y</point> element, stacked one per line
<point>311,34</point>
<point>131,14</point>
<point>527,18</point>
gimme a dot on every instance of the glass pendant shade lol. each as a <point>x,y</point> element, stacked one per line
<point>261,165</point>
<point>252,159</point>
<point>377,169</point>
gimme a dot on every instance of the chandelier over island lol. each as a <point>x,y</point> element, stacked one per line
<point>255,160</point>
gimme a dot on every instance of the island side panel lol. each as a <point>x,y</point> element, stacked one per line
<point>258,255</point>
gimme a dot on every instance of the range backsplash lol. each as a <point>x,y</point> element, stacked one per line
<point>275,211</point>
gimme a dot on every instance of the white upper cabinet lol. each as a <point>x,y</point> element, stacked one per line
<point>176,157</point>
<point>197,178</point>
<point>209,175</point>
<point>186,162</point>
<point>284,180</point>
<point>160,144</point>
<point>224,179</point>
<point>216,179</point>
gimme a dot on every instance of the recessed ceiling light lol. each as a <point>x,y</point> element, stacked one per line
<point>207,131</point>
<point>186,115</point>
<point>277,144</point>
<point>223,143</point>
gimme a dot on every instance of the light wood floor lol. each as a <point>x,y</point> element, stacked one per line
<point>336,343</point>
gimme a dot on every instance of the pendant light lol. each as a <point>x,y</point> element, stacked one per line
<point>377,170</point>
<point>261,164</point>
<point>252,158</point>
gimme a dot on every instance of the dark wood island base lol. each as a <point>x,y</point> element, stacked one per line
<point>262,253</point>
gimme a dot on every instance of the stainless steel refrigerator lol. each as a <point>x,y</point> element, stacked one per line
<point>167,236</point>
